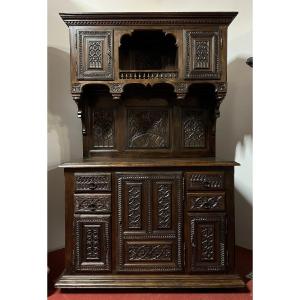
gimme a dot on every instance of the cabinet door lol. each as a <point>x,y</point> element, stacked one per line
<point>95,55</point>
<point>207,242</point>
<point>92,243</point>
<point>202,54</point>
<point>149,222</point>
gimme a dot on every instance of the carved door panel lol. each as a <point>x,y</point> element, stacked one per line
<point>202,55</point>
<point>207,242</point>
<point>95,55</point>
<point>92,243</point>
<point>149,222</point>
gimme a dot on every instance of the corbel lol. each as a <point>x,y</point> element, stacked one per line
<point>220,93</point>
<point>116,90</point>
<point>181,89</point>
<point>76,95</point>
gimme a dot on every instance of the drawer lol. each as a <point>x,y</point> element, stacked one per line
<point>92,203</point>
<point>92,182</point>
<point>204,180</point>
<point>206,201</point>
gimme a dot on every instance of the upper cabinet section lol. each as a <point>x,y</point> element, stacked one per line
<point>148,48</point>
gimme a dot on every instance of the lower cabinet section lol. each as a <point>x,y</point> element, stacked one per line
<point>206,249</point>
<point>92,243</point>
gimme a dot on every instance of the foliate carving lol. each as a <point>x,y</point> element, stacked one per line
<point>181,89</point>
<point>202,180</point>
<point>207,242</point>
<point>76,88</point>
<point>95,54</point>
<point>202,54</point>
<point>220,92</point>
<point>194,133</point>
<point>103,126</point>
<point>86,203</point>
<point>92,182</point>
<point>148,129</point>
<point>207,202</point>
<point>146,252</point>
<point>116,89</point>
<point>164,194</point>
<point>92,243</point>
<point>134,206</point>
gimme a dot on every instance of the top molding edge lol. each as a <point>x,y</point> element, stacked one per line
<point>147,18</point>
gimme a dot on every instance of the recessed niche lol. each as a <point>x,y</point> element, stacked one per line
<point>148,54</point>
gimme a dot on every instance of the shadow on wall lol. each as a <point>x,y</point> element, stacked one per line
<point>64,140</point>
<point>234,142</point>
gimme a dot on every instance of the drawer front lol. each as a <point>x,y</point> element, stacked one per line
<point>92,182</point>
<point>206,201</point>
<point>204,180</point>
<point>92,203</point>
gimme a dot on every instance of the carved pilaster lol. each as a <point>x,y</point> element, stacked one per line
<point>181,89</point>
<point>77,99</point>
<point>220,93</point>
<point>116,90</point>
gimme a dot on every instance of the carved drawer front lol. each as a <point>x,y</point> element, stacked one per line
<point>207,201</point>
<point>92,182</point>
<point>92,243</point>
<point>204,180</point>
<point>150,222</point>
<point>207,242</point>
<point>95,54</point>
<point>202,51</point>
<point>92,203</point>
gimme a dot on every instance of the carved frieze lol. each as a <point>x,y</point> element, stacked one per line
<point>148,128</point>
<point>150,252</point>
<point>103,127</point>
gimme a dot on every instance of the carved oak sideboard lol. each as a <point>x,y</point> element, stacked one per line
<point>149,205</point>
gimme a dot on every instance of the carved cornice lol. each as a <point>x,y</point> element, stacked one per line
<point>148,19</point>
<point>220,93</point>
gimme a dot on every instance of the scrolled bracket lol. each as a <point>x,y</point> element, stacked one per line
<point>77,98</point>
<point>181,89</point>
<point>116,90</point>
<point>220,93</point>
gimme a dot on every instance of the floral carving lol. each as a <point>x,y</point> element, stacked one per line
<point>164,206</point>
<point>157,252</point>
<point>134,206</point>
<point>207,242</point>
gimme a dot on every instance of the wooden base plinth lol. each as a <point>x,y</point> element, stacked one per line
<point>149,281</point>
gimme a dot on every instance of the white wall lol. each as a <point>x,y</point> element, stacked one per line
<point>234,129</point>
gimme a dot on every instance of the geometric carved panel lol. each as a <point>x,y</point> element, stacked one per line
<point>207,247</point>
<point>148,128</point>
<point>164,206</point>
<point>95,54</point>
<point>202,55</point>
<point>194,133</point>
<point>103,127</point>
<point>92,243</point>
<point>134,206</point>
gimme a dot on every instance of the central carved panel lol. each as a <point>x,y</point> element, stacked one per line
<point>207,242</point>
<point>134,206</point>
<point>201,54</point>
<point>164,206</point>
<point>95,54</point>
<point>148,128</point>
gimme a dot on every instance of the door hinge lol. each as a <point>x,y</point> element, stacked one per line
<point>226,226</point>
<point>227,258</point>
<point>221,42</point>
<point>184,254</point>
<point>76,40</point>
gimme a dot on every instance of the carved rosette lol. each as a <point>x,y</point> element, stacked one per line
<point>220,93</point>
<point>181,89</point>
<point>116,89</point>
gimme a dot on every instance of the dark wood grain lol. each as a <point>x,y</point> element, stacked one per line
<point>149,205</point>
